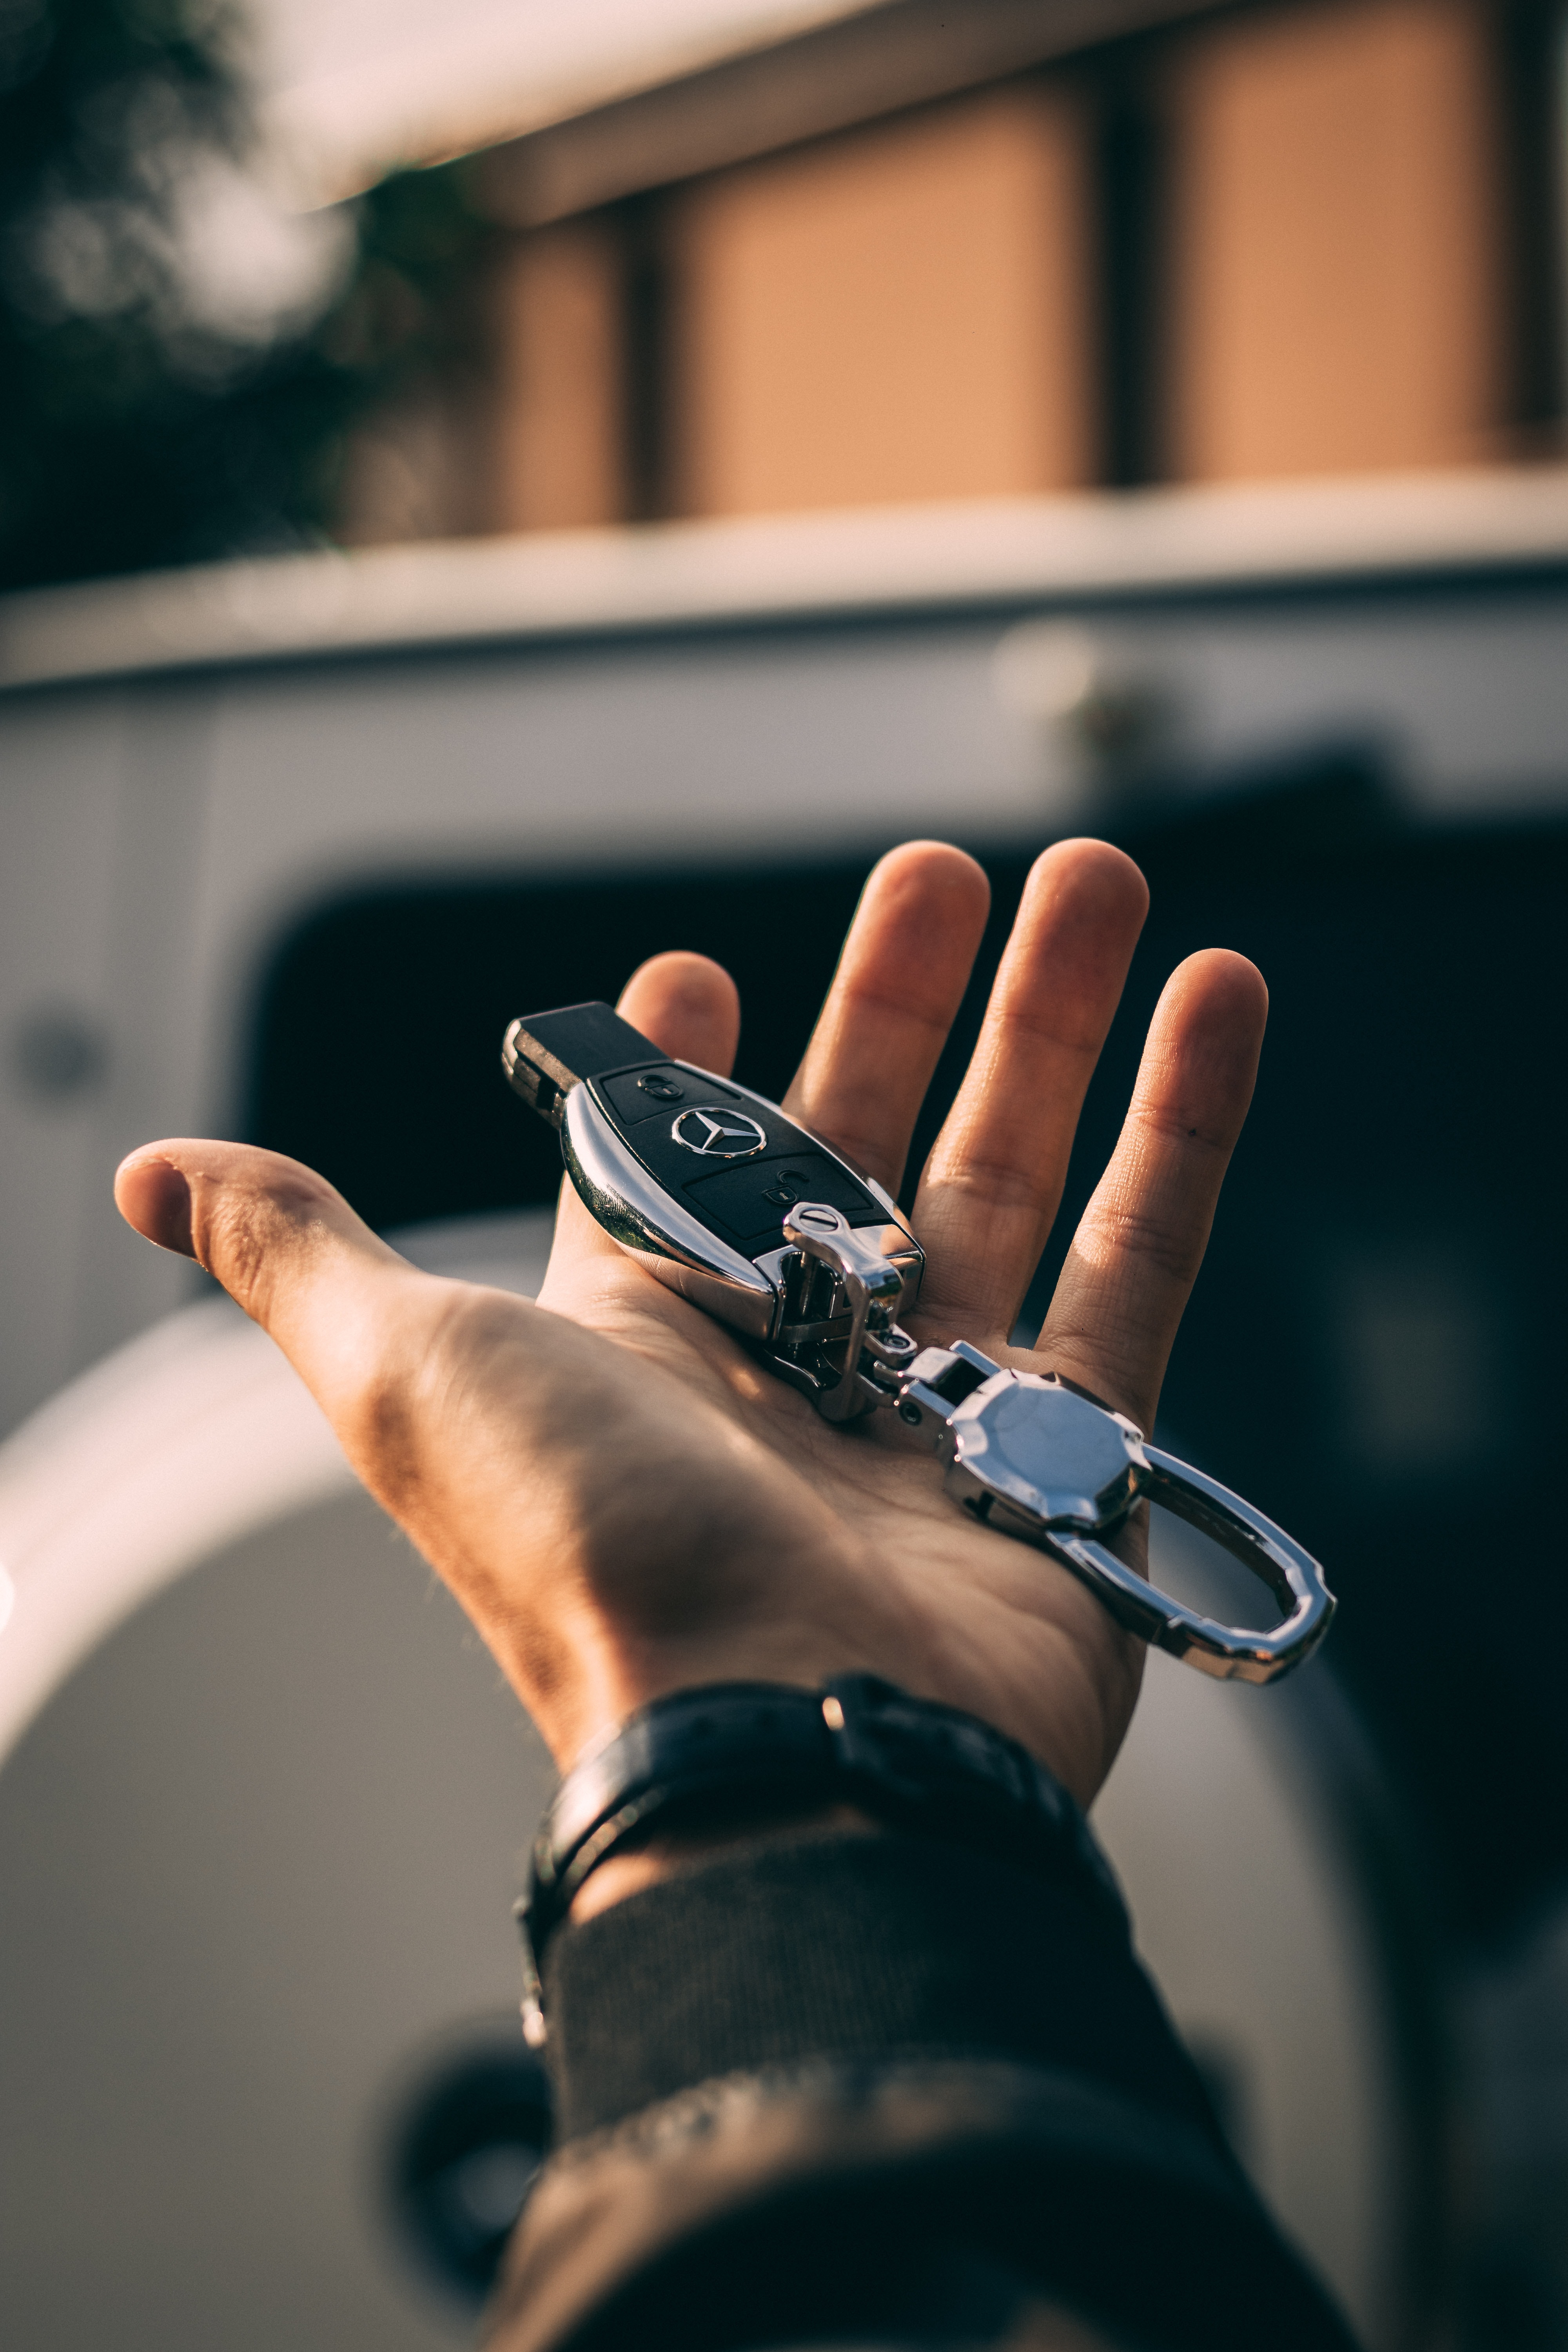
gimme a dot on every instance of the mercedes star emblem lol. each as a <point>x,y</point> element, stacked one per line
<point>714,1131</point>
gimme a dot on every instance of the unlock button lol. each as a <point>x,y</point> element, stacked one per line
<point>745,1204</point>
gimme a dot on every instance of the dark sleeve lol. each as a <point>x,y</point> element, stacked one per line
<point>877,2088</point>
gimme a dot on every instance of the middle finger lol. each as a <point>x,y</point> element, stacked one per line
<point>994,1182</point>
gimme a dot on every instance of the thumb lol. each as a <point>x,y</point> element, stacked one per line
<point>288,1248</point>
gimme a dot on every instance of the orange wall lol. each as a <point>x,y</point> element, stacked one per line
<point>909,310</point>
<point>556,381</point>
<point>897,314</point>
<point>1334,299</point>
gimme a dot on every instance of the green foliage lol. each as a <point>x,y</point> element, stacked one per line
<point>145,418</point>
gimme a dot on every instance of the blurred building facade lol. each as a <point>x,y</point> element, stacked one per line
<point>896,259</point>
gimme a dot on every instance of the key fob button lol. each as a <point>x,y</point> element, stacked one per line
<point>636,1098</point>
<point>745,1205</point>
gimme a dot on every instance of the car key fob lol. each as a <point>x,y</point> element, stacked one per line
<point>727,1200</point>
<point>765,1226</point>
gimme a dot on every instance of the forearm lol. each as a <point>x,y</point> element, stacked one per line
<point>820,2083</point>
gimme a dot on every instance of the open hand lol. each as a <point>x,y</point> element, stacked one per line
<point>623,1498</point>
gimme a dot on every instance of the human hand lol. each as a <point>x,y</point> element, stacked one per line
<point>625,1501</point>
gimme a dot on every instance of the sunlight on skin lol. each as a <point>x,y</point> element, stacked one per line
<point>621,1496</point>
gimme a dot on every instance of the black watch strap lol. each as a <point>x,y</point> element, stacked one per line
<point>728,1748</point>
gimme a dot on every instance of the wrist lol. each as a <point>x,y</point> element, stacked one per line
<point>620,1674</point>
<point>721,1763</point>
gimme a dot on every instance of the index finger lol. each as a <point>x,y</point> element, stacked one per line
<point>901,980</point>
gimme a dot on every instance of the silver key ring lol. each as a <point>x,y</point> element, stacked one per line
<point>1035,1457</point>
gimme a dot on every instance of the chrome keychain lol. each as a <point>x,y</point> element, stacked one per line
<point>763,1225</point>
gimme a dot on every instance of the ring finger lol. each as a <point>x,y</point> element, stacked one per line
<point>1137,1251</point>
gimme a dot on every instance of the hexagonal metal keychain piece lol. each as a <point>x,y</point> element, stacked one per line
<point>1035,1457</point>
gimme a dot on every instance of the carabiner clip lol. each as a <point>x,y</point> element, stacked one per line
<point>1035,1457</point>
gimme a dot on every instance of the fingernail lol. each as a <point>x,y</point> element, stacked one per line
<point>166,1203</point>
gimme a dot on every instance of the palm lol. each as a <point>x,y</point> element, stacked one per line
<point>838,1544</point>
<point>625,1500</point>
